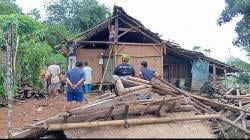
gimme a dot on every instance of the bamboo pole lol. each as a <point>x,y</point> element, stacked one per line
<point>65,126</point>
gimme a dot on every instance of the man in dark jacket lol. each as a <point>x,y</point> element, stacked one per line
<point>124,70</point>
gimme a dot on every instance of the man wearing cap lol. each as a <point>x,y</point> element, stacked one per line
<point>124,70</point>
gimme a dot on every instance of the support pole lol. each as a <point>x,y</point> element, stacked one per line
<point>10,79</point>
<point>157,112</point>
<point>214,76</point>
<point>109,113</point>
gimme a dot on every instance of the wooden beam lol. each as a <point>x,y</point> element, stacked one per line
<point>116,29</point>
<point>214,76</point>
<point>148,36</point>
<point>109,113</point>
<point>127,29</point>
<point>66,126</point>
<point>157,112</point>
<point>122,34</point>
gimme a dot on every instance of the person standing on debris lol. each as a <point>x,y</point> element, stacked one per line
<point>75,78</point>
<point>146,73</point>
<point>53,79</point>
<point>88,77</point>
<point>123,70</point>
<point>71,53</point>
<point>111,33</point>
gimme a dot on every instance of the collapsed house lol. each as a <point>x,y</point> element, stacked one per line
<point>157,97</point>
<point>131,38</point>
<point>172,63</point>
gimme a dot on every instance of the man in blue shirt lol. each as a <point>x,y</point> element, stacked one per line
<point>144,72</point>
<point>75,78</point>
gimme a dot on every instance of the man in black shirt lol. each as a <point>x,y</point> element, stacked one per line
<point>124,70</point>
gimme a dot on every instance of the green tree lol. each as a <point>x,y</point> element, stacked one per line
<point>34,14</point>
<point>238,63</point>
<point>243,77</point>
<point>233,9</point>
<point>8,7</point>
<point>76,15</point>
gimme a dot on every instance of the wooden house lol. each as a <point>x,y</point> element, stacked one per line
<point>131,37</point>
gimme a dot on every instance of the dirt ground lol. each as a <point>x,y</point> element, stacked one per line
<point>31,111</point>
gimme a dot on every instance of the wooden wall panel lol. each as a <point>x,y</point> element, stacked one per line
<point>153,55</point>
<point>92,56</point>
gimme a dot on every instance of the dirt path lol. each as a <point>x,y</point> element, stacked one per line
<point>31,111</point>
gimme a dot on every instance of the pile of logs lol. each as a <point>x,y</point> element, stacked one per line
<point>27,92</point>
<point>156,97</point>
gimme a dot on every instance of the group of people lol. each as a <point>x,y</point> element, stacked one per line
<point>75,77</point>
<point>80,73</point>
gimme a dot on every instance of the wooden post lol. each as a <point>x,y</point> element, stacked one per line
<point>225,72</point>
<point>160,106</point>
<point>214,76</point>
<point>109,113</point>
<point>116,29</point>
<point>10,79</point>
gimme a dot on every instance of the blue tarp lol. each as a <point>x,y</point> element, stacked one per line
<point>200,70</point>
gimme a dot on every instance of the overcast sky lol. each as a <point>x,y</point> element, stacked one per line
<point>187,22</point>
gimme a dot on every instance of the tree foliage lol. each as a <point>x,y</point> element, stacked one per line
<point>34,14</point>
<point>25,25</point>
<point>8,7</point>
<point>76,15</point>
<point>233,9</point>
<point>238,63</point>
<point>242,77</point>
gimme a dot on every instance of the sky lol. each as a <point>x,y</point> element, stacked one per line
<point>186,22</point>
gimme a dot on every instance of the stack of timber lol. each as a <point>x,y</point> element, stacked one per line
<point>156,97</point>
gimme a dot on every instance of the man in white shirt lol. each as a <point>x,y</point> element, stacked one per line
<point>88,77</point>
<point>54,82</point>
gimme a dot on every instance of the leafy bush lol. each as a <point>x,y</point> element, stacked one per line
<point>3,82</point>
